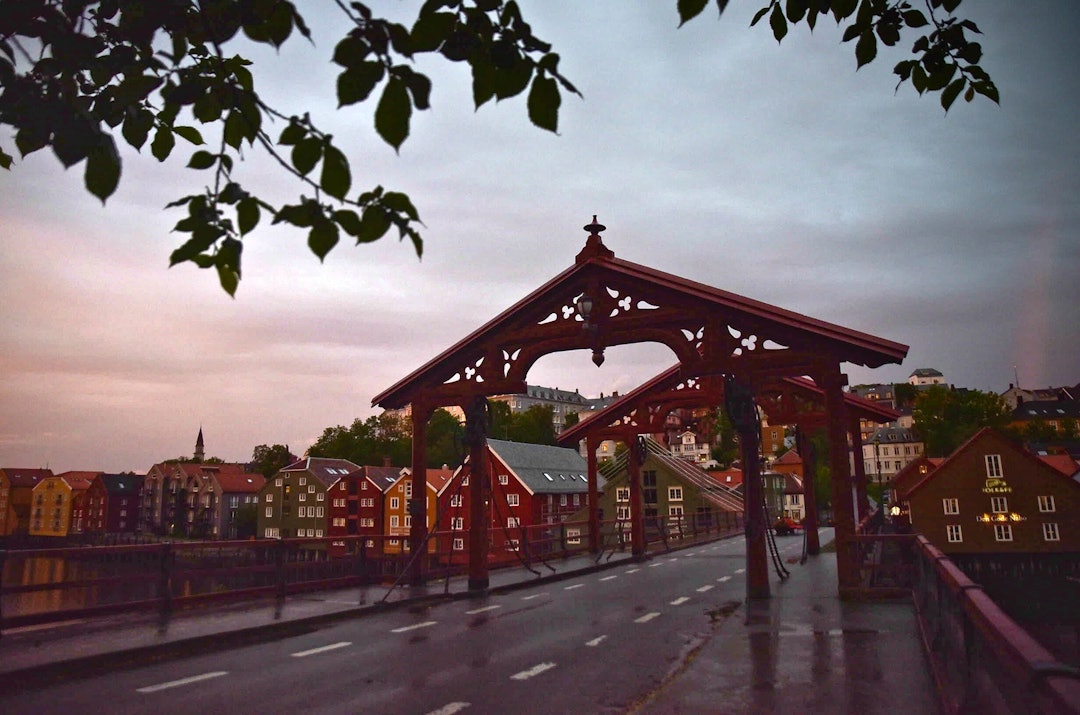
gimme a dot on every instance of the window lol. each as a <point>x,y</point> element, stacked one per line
<point>674,493</point>
<point>1046,504</point>
<point>1050,532</point>
<point>622,513</point>
<point>277,482</point>
<point>395,503</point>
<point>368,521</point>
<point>408,521</point>
<point>954,533</point>
<point>363,486</point>
<point>675,511</point>
<point>512,522</point>
<point>303,481</point>
<point>303,496</point>
<point>514,499</point>
<point>897,465</point>
<point>993,467</point>
<point>465,481</point>
<point>341,486</point>
<point>459,544</point>
<point>457,523</point>
<point>270,533</point>
<point>394,520</point>
<point>999,505</point>
<point>303,511</point>
<point>269,498</point>
<point>408,489</point>
<point>1003,532</point>
<point>622,494</point>
<point>321,497</point>
<point>562,500</point>
<point>796,499</point>
<point>573,536</point>
<point>504,479</point>
<point>577,500</point>
<point>456,500</point>
<point>318,512</point>
<point>951,505</point>
<point>367,502</point>
<point>269,511</point>
<point>311,489</point>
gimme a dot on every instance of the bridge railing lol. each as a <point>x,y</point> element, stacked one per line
<point>981,659</point>
<point>50,585</point>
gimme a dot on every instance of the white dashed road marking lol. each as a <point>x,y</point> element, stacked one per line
<point>529,598</point>
<point>572,587</point>
<point>740,570</point>
<point>703,589</point>
<point>680,600</point>
<point>449,709</point>
<point>595,641</point>
<point>182,681</point>
<point>481,610</point>
<point>535,670</point>
<point>413,627</point>
<point>609,578</point>
<point>632,570</point>
<point>723,578</point>
<point>647,617</point>
<point>322,649</point>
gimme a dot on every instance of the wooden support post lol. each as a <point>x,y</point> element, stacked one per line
<point>757,557</point>
<point>476,424</point>
<point>832,382</point>
<point>805,445</point>
<point>591,445</point>
<point>417,504</point>
<point>637,503</point>
<point>862,502</point>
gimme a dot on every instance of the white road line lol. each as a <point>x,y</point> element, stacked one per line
<point>413,627</point>
<point>632,570</point>
<point>322,649</point>
<point>680,600</point>
<point>705,588</point>
<point>182,681</point>
<point>481,610</point>
<point>595,641</point>
<point>654,564</point>
<point>450,709</point>
<point>609,578</point>
<point>573,586</point>
<point>723,578</point>
<point>535,670</point>
<point>740,570</point>
<point>529,598</point>
<point>647,617</point>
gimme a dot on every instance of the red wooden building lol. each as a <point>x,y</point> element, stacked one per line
<point>112,503</point>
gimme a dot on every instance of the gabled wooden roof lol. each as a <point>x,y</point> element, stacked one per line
<point>631,303</point>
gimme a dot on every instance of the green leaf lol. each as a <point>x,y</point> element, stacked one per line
<point>759,14</point>
<point>796,10</point>
<point>335,179</point>
<point>322,237</point>
<point>988,90</point>
<point>512,81</point>
<point>136,128</point>
<point>778,23</point>
<point>5,160</point>
<point>373,224</point>
<point>914,18</point>
<point>393,113</point>
<point>544,103</point>
<point>865,49</point>
<point>356,83</point>
<point>950,93</point>
<point>950,5</point>
<point>431,30</point>
<point>689,9</point>
<point>190,133</point>
<point>306,154</point>
<point>201,159</point>
<point>348,220</point>
<point>227,262</point>
<point>292,134</point>
<point>102,168</point>
<point>247,214</point>
<point>483,82</point>
<point>400,203</point>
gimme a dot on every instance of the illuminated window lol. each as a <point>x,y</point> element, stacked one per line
<point>573,536</point>
<point>622,494</point>
<point>622,513</point>
<point>999,505</point>
<point>1050,532</point>
<point>674,494</point>
<point>993,465</point>
<point>1003,532</point>
<point>1046,504</point>
<point>954,533</point>
<point>951,505</point>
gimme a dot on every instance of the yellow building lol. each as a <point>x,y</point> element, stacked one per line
<point>396,518</point>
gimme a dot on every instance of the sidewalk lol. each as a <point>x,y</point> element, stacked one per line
<point>801,651</point>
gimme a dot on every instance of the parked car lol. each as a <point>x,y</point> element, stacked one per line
<point>785,525</point>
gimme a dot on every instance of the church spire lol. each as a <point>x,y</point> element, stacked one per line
<point>200,452</point>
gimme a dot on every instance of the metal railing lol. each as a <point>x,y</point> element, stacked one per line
<point>58,584</point>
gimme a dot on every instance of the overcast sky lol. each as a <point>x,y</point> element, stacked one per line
<point>776,172</point>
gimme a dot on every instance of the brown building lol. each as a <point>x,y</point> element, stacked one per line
<point>993,496</point>
<point>16,494</point>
